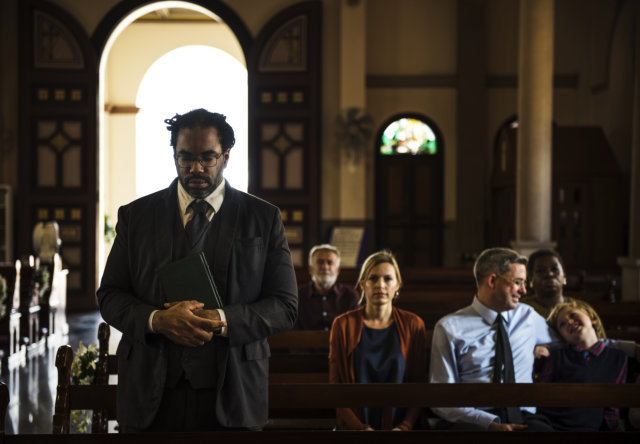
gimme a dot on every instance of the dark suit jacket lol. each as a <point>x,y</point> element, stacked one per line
<point>256,280</point>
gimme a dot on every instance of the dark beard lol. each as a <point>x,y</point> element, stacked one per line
<point>200,193</point>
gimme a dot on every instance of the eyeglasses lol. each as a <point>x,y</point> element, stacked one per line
<point>517,282</point>
<point>207,161</point>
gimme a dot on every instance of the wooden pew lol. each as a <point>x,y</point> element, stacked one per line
<point>432,305</point>
<point>311,405</point>
<point>604,284</point>
<point>4,403</point>
<point>324,437</point>
<point>460,279</point>
<point>299,356</point>
<point>303,356</point>
<point>326,397</point>
<point>100,397</point>
<point>296,398</point>
<point>315,340</point>
<point>303,396</point>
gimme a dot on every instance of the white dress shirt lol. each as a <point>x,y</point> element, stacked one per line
<point>463,350</point>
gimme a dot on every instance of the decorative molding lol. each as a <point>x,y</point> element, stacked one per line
<point>120,109</point>
<point>283,97</point>
<point>286,50</point>
<point>451,81</point>
<point>58,94</point>
<point>511,81</point>
<point>412,81</point>
<point>54,46</point>
<point>353,131</point>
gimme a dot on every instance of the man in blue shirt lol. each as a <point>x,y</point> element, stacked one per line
<point>464,342</point>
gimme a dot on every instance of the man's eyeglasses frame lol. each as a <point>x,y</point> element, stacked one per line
<point>183,162</point>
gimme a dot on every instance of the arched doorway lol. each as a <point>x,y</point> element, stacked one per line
<point>145,41</point>
<point>211,79</point>
<point>59,119</point>
<point>409,190</point>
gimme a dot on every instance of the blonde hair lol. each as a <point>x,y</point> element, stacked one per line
<point>380,257</point>
<point>581,305</point>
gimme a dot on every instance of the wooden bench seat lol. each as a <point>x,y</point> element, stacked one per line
<point>311,405</point>
<point>308,362</point>
<point>299,339</point>
<point>324,437</point>
<point>303,396</point>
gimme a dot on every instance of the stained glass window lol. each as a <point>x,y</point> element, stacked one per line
<point>408,136</point>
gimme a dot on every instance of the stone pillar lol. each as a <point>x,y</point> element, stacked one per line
<point>352,94</point>
<point>535,114</point>
<point>631,264</point>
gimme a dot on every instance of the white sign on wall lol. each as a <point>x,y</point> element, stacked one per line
<point>351,242</point>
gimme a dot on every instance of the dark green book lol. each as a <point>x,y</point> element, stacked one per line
<point>188,279</point>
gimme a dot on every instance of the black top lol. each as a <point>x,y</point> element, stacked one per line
<point>569,364</point>
<point>378,358</point>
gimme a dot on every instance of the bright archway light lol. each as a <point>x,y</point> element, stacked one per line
<point>187,78</point>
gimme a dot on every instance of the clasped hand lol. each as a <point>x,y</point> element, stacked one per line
<point>187,323</point>
<point>499,427</point>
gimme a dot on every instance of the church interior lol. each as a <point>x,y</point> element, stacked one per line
<point>433,128</point>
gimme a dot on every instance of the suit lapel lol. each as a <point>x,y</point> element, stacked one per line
<point>222,250</point>
<point>164,217</point>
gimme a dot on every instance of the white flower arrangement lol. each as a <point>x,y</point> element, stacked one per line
<point>83,372</point>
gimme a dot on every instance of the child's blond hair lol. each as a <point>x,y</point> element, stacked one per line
<point>581,305</point>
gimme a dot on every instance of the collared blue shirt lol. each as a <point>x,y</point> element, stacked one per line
<point>463,350</point>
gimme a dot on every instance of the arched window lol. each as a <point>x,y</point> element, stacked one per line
<point>408,135</point>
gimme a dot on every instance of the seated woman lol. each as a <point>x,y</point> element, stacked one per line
<point>547,280</point>
<point>585,358</point>
<point>377,343</point>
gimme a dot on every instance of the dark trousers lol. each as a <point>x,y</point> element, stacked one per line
<point>535,423</point>
<point>185,409</point>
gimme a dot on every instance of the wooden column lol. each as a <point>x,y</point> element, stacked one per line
<point>353,94</point>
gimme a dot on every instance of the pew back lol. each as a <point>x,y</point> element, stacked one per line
<point>312,405</point>
<point>99,397</point>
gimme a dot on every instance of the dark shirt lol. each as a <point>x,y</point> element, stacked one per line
<point>378,358</point>
<point>575,364</point>
<point>317,312</point>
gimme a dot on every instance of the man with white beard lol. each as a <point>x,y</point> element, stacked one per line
<point>322,299</point>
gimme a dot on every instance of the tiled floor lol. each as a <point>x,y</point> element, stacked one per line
<point>32,388</point>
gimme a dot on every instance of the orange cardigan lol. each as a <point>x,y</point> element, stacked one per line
<point>345,336</point>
